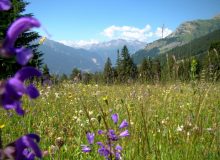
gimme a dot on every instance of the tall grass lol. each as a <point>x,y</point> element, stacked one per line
<point>177,121</point>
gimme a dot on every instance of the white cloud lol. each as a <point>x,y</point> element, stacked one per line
<point>166,32</point>
<point>79,44</point>
<point>134,33</point>
<point>145,34</point>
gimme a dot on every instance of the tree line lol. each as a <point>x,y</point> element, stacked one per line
<point>151,70</point>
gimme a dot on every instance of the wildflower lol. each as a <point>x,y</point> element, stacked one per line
<point>2,126</point>
<point>23,148</point>
<point>118,150</point>
<point>100,132</point>
<point>14,88</point>
<point>112,135</point>
<point>29,155</point>
<point>180,128</point>
<point>105,99</point>
<point>90,139</point>
<point>109,149</point>
<point>23,55</point>
<point>124,133</point>
<point>115,118</point>
<point>123,124</point>
<point>90,113</point>
<point>86,149</point>
<point>93,119</point>
<point>5,5</point>
<point>103,150</point>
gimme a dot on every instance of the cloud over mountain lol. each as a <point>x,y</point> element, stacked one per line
<point>134,33</point>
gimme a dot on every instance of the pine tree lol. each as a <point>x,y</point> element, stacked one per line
<point>46,79</point>
<point>45,70</point>
<point>118,67</point>
<point>108,71</point>
<point>157,69</point>
<point>76,75</point>
<point>144,70</point>
<point>128,70</point>
<point>9,66</point>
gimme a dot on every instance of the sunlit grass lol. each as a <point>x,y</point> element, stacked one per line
<point>178,121</point>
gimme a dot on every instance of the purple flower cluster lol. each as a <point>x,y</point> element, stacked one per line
<point>12,90</point>
<point>24,148</point>
<point>110,149</point>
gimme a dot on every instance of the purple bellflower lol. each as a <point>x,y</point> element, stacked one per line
<point>23,55</point>
<point>123,124</point>
<point>124,133</point>
<point>115,118</point>
<point>109,149</point>
<point>86,149</point>
<point>13,89</point>
<point>90,138</point>
<point>112,135</point>
<point>118,150</point>
<point>107,152</point>
<point>5,5</point>
<point>104,150</point>
<point>24,148</point>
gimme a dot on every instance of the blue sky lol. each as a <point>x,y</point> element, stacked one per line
<point>102,20</point>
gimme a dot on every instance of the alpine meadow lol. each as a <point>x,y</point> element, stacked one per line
<point>110,80</point>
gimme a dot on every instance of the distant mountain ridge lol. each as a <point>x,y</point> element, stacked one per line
<point>109,48</point>
<point>185,33</point>
<point>62,59</point>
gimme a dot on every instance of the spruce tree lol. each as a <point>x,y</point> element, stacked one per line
<point>128,69</point>
<point>144,70</point>
<point>28,39</point>
<point>118,67</point>
<point>76,75</point>
<point>157,69</point>
<point>108,71</point>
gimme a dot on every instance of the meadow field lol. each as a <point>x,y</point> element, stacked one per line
<point>168,122</point>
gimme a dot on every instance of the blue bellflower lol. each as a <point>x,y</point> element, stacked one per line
<point>90,138</point>
<point>115,118</point>
<point>5,5</point>
<point>14,89</point>
<point>24,148</point>
<point>123,124</point>
<point>23,55</point>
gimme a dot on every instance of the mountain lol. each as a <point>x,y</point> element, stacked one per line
<point>62,59</point>
<point>185,33</point>
<point>197,47</point>
<point>109,48</point>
